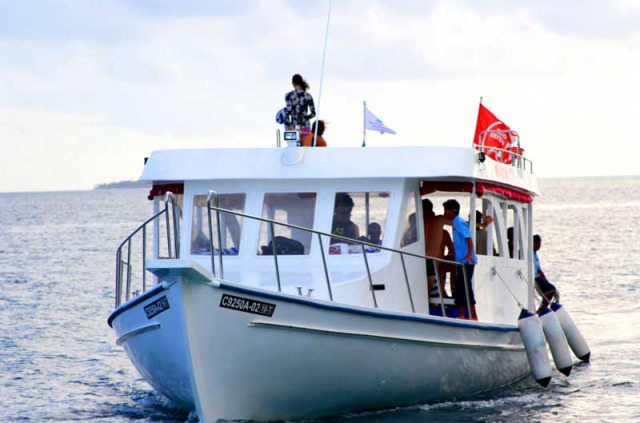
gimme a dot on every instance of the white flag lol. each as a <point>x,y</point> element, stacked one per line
<point>373,123</point>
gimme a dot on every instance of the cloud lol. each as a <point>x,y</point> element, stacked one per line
<point>171,9</point>
<point>62,21</point>
<point>157,74</point>
<point>591,18</point>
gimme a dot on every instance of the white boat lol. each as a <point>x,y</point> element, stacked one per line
<point>325,324</point>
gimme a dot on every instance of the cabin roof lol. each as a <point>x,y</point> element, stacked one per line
<point>448,163</point>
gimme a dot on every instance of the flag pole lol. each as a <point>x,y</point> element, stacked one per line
<point>364,123</point>
<point>324,55</point>
<point>478,140</point>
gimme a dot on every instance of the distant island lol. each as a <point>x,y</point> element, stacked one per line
<point>123,184</point>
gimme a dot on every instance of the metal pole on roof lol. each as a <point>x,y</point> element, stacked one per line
<point>479,137</point>
<point>324,54</point>
<point>364,123</point>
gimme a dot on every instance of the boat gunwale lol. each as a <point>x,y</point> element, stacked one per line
<point>335,307</point>
<point>134,301</point>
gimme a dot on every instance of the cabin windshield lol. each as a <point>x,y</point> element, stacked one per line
<point>231,225</point>
<point>294,209</point>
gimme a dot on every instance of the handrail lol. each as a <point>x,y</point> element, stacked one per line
<point>119,257</point>
<point>363,244</point>
<point>131,235</point>
<point>336,236</point>
<point>516,157</point>
<point>213,195</point>
<point>170,198</point>
<point>120,264</point>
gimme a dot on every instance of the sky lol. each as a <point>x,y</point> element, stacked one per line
<point>90,88</point>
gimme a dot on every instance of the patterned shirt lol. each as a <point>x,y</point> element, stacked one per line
<point>298,101</point>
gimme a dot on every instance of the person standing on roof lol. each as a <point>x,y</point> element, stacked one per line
<point>300,107</point>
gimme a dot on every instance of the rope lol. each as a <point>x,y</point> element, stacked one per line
<point>495,272</point>
<point>536,288</point>
<point>536,302</point>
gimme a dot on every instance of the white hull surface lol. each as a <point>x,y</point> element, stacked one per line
<point>312,358</point>
<point>156,345</point>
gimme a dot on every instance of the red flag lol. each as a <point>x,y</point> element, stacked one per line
<point>502,141</point>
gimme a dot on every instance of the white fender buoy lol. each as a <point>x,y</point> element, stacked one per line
<point>574,337</point>
<point>534,345</point>
<point>556,340</point>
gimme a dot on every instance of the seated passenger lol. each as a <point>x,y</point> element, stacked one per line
<point>374,231</point>
<point>481,233</point>
<point>342,224</point>
<point>545,288</point>
<point>411,233</point>
<point>306,139</point>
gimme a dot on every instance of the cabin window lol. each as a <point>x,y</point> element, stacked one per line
<point>484,238</point>
<point>499,230</point>
<point>230,225</point>
<point>512,239</point>
<point>410,231</point>
<point>361,216</point>
<point>289,208</point>
<point>516,233</point>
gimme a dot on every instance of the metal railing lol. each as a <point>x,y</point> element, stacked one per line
<point>212,198</point>
<point>516,157</point>
<point>172,212</point>
<point>125,268</point>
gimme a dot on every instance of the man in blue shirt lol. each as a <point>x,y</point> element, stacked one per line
<point>465,254</point>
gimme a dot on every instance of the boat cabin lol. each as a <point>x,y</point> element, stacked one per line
<point>345,225</point>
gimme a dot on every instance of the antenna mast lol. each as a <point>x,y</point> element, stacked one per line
<point>324,54</point>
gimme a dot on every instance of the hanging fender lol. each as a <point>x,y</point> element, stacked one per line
<point>533,340</point>
<point>556,340</point>
<point>574,337</point>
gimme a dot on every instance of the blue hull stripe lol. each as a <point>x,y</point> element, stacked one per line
<point>133,302</point>
<point>451,322</point>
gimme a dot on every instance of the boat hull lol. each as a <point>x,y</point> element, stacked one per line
<point>313,359</point>
<point>238,353</point>
<point>156,344</point>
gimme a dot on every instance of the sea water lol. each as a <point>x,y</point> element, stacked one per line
<point>59,361</point>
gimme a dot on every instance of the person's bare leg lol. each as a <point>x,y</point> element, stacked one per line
<point>462,312</point>
<point>474,315</point>
<point>442,286</point>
